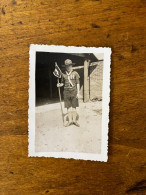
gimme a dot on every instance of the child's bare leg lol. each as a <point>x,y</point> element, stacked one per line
<point>69,111</point>
<point>74,115</point>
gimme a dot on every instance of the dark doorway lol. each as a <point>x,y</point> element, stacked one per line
<point>46,89</point>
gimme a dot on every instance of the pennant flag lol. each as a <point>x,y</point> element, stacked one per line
<point>57,72</point>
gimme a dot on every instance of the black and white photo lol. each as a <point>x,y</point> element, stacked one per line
<point>69,95</point>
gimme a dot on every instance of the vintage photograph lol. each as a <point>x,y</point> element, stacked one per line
<point>69,94</point>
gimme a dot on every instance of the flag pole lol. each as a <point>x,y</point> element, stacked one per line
<point>60,101</point>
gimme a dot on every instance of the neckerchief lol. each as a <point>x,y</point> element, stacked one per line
<point>68,76</point>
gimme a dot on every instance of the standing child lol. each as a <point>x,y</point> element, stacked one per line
<point>71,83</point>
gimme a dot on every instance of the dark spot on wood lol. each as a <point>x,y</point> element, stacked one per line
<point>50,20</point>
<point>47,191</point>
<point>11,172</point>
<point>133,49</point>
<point>69,25</point>
<point>143,1</point>
<point>118,18</point>
<point>12,24</point>
<point>142,167</point>
<point>120,183</point>
<point>106,19</point>
<point>120,57</point>
<point>108,35</point>
<point>20,22</point>
<point>3,11</point>
<point>14,2</point>
<point>108,9</point>
<point>95,26</point>
<point>139,186</point>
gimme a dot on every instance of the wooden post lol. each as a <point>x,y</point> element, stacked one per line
<point>86,81</point>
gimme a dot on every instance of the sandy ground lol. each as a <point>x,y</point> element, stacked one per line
<point>52,136</point>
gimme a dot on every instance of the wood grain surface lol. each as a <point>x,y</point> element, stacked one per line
<point>99,23</point>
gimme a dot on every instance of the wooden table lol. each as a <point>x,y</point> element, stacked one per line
<point>99,23</point>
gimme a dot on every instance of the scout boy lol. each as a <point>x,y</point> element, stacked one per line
<point>70,81</point>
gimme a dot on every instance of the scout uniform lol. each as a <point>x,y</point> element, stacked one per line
<point>70,81</point>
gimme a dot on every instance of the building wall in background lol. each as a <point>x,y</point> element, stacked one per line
<point>95,81</point>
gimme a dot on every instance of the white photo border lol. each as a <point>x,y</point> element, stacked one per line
<point>105,101</point>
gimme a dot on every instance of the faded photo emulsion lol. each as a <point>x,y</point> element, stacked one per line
<point>69,94</point>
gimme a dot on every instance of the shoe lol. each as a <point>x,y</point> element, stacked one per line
<point>68,124</point>
<point>76,124</point>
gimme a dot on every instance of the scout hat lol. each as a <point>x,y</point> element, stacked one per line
<point>68,62</point>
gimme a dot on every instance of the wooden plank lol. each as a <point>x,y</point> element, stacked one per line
<point>38,175</point>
